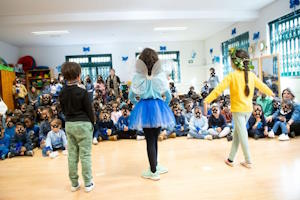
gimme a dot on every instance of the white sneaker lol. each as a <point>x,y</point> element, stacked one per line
<point>189,136</point>
<point>74,189</point>
<point>95,141</point>
<point>90,187</point>
<point>271,134</point>
<point>53,154</point>
<point>140,137</point>
<point>208,137</point>
<point>283,137</point>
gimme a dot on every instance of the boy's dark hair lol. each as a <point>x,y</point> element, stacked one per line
<point>71,70</point>
<point>149,57</point>
<point>19,124</point>
<point>125,107</point>
<point>240,53</point>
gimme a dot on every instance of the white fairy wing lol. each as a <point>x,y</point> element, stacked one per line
<point>141,82</point>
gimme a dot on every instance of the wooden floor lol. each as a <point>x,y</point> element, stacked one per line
<point>196,171</point>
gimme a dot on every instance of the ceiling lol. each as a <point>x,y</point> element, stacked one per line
<point>99,21</point>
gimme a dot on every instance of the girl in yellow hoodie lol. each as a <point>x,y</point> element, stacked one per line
<point>241,83</point>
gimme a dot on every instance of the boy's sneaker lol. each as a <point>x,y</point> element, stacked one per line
<point>161,169</point>
<point>74,189</point>
<point>160,137</point>
<point>293,134</point>
<point>215,137</point>
<point>29,153</point>
<point>10,155</point>
<point>150,175</point>
<point>95,141</point>
<point>113,138</point>
<point>256,137</point>
<point>3,157</point>
<point>172,135</point>
<point>189,136</point>
<point>246,164</point>
<point>140,137</point>
<point>283,137</point>
<point>227,162</point>
<point>208,137</point>
<point>229,137</point>
<point>90,187</point>
<point>53,154</point>
<point>271,134</point>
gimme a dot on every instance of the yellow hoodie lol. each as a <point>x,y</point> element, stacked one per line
<point>236,83</point>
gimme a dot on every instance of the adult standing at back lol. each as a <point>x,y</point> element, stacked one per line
<point>113,82</point>
<point>213,79</point>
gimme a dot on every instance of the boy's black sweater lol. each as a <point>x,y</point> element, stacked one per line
<point>75,104</point>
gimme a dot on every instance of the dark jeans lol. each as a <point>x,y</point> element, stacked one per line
<point>258,133</point>
<point>130,134</point>
<point>296,128</point>
<point>151,135</point>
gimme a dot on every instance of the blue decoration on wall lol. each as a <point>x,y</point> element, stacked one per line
<point>163,48</point>
<point>194,54</point>
<point>233,31</point>
<point>124,58</point>
<point>86,49</point>
<point>294,3</point>
<point>256,36</point>
<point>211,50</point>
<point>58,68</point>
<point>216,59</point>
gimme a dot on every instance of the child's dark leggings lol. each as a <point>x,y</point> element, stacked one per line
<point>151,135</point>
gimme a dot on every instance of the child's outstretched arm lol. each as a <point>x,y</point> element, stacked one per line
<point>168,96</point>
<point>132,96</point>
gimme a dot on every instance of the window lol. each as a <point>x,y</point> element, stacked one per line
<point>240,42</point>
<point>93,65</point>
<point>285,41</point>
<point>170,59</point>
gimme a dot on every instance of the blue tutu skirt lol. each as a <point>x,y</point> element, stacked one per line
<point>151,113</point>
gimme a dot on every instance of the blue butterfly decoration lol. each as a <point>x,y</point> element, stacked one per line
<point>233,31</point>
<point>294,3</point>
<point>256,36</point>
<point>124,58</point>
<point>194,54</point>
<point>58,68</point>
<point>163,48</point>
<point>86,49</point>
<point>216,59</point>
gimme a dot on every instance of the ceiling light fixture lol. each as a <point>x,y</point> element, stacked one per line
<point>170,28</point>
<point>60,32</point>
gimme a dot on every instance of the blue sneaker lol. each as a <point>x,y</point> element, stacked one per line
<point>161,169</point>
<point>150,175</point>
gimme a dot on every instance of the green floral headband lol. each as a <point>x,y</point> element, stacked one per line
<point>239,62</point>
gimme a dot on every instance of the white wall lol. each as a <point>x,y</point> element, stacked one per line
<point>53,56</point>
<point>271,12</point>
<point>9,53</point>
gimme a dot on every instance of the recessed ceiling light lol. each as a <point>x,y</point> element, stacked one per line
<point>60,32</point>
<point>181,28</point>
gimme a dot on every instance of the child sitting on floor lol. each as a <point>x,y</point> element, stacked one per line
<point>122,126</point>
<point>4,143</point>
<point>20,143</point>
<point>257,125</point>
<point>198,126</point>
<point>217,124</point>
<point>284,116</point>
<point>56,140</point>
